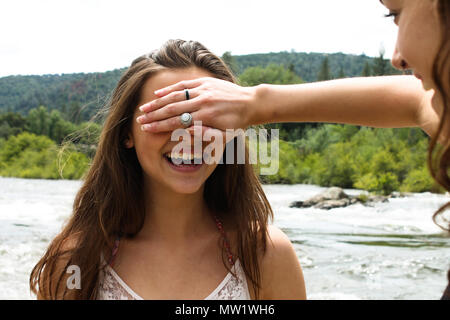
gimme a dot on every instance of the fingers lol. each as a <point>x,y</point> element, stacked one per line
<point>185,84</point>
<point>178,89</point>
<point>169,124</point>
<point>170,110</point>
<point>172,97</point>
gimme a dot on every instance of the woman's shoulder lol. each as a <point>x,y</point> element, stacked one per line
<point>277,236</point>
<point>282,276</point>
<point>278,247</point>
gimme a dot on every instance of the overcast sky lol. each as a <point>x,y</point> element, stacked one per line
<point>68,36</point>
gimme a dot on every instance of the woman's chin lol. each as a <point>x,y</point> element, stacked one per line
<point>185,187</point>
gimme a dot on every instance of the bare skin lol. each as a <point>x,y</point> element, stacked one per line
<point>408,101</point>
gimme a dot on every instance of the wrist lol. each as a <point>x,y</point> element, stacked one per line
<point>255,106</point>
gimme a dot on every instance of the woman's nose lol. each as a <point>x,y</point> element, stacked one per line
<point>398,62</point>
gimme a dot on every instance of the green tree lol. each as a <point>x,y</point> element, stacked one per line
<point>336,166</point>
<point>58,127</point>
<point>418,180</point>
<point>341,73</point>
<point>74,112</point>
<point>380,65</point>
<point>30,156</point>
<point>52,124</point>
<point>367,70</point>
<point>15,120</point>
<point>230,61</point>
<point>11,123</point>
<point>324,73</point>
<point>5,130</point>
<point>291,67</point>
<point>384,161</point>
<point>15,145</point>
<point>38,121</point>
<point>273,74</point>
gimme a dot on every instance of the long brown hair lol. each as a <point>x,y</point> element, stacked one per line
<point>102,210</point>
<point>439,162</point>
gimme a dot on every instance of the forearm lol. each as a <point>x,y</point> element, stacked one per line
<point>382,102</point>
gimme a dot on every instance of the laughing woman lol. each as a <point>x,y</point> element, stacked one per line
<point>423,45</point>
<point>144,227</point>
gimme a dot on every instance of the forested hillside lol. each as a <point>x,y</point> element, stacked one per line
<point>76,95</point>
<point>307,65</point>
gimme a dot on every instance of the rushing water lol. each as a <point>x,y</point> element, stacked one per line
<point>390,251</point>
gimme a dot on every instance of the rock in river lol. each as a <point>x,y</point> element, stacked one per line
<point>336,198</point>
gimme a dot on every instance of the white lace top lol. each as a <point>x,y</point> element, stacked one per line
<point>112,287</point>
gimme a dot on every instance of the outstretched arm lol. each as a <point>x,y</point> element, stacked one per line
<point>384,102</point>
<point>381,102</point>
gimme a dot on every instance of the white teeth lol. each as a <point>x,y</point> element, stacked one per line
<point>184,156</point>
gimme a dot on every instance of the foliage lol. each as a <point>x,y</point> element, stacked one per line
<point>324,73</point>
<point>230,61</point>
<point>77,96</point>
<point>11,124</point>
<point>377,160</point>
<point>418,180</point>
<point>273,74</point>
<point>380,66</point>
<point>307,65</point>
<point>367,71</point>
<point>30,156</point>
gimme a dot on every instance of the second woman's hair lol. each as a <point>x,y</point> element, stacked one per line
<point>439,162</point>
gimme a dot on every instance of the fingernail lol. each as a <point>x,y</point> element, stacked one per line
<point>158,92</point>
<point>146,127</point>
<point>144,106</point>
<point>140,119</point>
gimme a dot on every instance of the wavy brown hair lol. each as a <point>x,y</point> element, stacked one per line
<point>102,210</point>
<point>439,162</point>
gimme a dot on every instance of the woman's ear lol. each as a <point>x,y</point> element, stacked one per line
<point>129,142</point>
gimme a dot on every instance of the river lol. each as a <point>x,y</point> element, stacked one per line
<point>392,250</point>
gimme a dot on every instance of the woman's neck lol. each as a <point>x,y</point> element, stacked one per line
<point>174,217</point>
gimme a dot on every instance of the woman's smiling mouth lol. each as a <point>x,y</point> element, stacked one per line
<point>186,162</point>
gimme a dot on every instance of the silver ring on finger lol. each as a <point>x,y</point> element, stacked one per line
<point>186,119</point>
